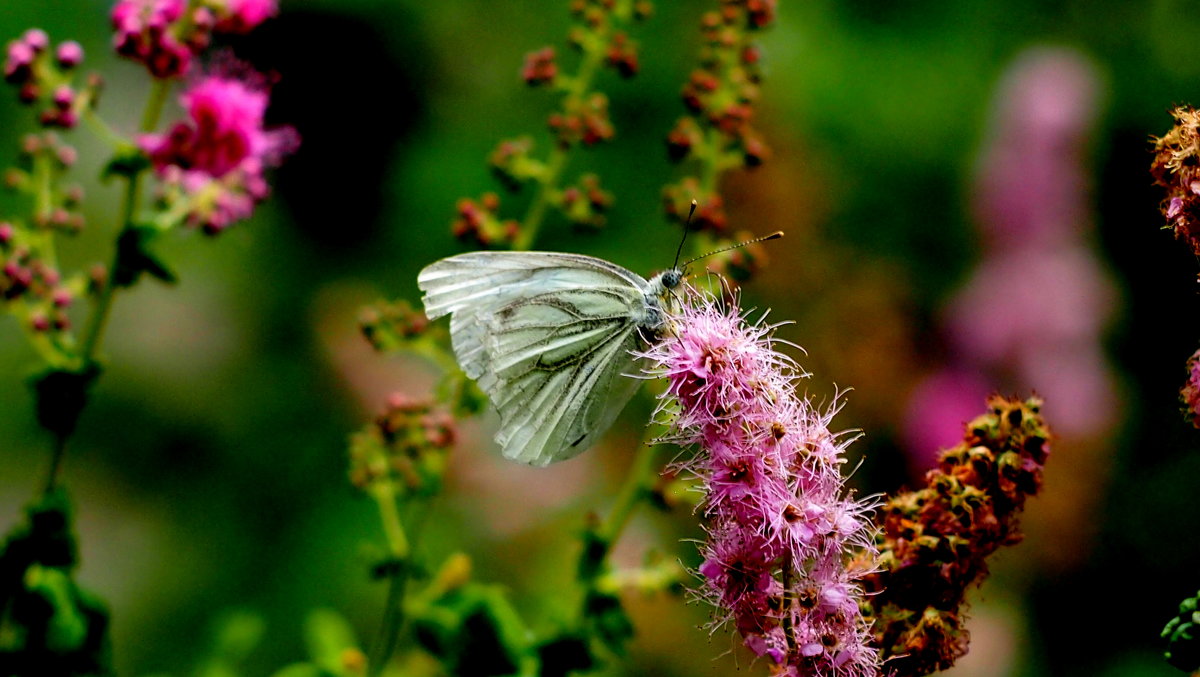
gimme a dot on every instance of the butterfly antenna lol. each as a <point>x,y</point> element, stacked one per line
<point>773,236</point>
<point>686,227</point>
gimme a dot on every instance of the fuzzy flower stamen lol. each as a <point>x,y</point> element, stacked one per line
<point>782,528</point>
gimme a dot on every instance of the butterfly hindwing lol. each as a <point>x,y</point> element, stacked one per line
<point>547,336</point>
<point>555,371</point>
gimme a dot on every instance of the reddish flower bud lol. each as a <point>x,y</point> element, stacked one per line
<point>539,68</point>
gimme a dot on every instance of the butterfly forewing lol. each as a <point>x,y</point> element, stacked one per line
<point>547,336</point>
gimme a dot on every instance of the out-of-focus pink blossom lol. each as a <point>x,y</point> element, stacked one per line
<point>782,529</point>
<point>938,408</point>
<point>1032,314</point>
<point>241,16</point>
<point>216,158</point>
<point>223,129</point>
<point>159,33</point>
<point>147,31</point>
<point>1031,187</point>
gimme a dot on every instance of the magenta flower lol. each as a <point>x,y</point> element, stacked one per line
<point>1190,393</point>
<point>147,31</point>
<point>241,16</point>
<point>215,159</point>
<point>166,34</point>
<point>783,532</point>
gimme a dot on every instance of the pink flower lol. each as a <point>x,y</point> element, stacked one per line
<point>1190,393</point>
<point>216,158</point>
<point>782,530</point>
<point>241,16</point>
<point>147,31</point>
<point>161,35</point>
<point>225,127</point>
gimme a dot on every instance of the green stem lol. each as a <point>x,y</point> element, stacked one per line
<point>384,493</point>
<point>710,161</point>
<point>154,107</point>
<point>547,188</point>
<point>98,319</point>
<point>60,445</point>
<point>639,482</point>
<point>104,131</point>
<point>637,487</point>
<point>593,58</point>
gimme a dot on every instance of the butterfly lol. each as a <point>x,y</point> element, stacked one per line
<point>548,336</point>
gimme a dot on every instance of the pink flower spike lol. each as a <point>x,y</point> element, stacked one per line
<point>786,541</point>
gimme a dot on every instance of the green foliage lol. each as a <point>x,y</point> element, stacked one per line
<point>1183,639</point>
<point>48,623</point>
<point>474,631</point>
<point>61,395</point>
<point>134,258</point>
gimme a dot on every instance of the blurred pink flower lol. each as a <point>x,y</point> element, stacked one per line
<point>782,528</point>
<point>162,34</point>
<point>241,16</point>
<point>216,158</point>
<point>938,408</point>
<point>146,32</point>
<point>1032,314</point>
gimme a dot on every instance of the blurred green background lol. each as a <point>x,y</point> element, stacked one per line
<point>209,470</point>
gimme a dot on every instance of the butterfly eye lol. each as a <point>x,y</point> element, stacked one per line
<point>672,278</point>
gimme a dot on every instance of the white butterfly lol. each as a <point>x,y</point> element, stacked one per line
<point>548,337</point>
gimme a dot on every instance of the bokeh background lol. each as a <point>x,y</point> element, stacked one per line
<point>968,208</point>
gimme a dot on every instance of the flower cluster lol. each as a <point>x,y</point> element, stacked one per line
<point>407,442</point>
<point>581,118</point>
<point>1189,394</point>
<point>782,528</point>
<point>212,164</point>
<point>387,326</point>
<point>479,220</point>
<point>31,283</point>
<point>934,541</point>
<point>45,78</point>
<point>720,97</point>
<point>166,35</point>
<point>1175,168</point>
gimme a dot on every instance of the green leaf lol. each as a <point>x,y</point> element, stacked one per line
<point>128,162</point>
<point>566,654</point>
<point>475,632</point>
<point>61,395</point>
<point>328,636</point>
<point>134,257</point>
<point>300,670</point>
<point>609,620</point>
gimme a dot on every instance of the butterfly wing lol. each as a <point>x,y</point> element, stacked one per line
<point>547,336</point>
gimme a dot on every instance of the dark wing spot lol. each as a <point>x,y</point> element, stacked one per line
<point>581,438</point>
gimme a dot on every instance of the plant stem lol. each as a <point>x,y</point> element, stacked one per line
<point>98,319</point>
<point>384,493</point>
<point>154,106</point>
<point>103,130</point>
<point>60,445</point>
<point>636,488</point>
<point>593,57</point>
